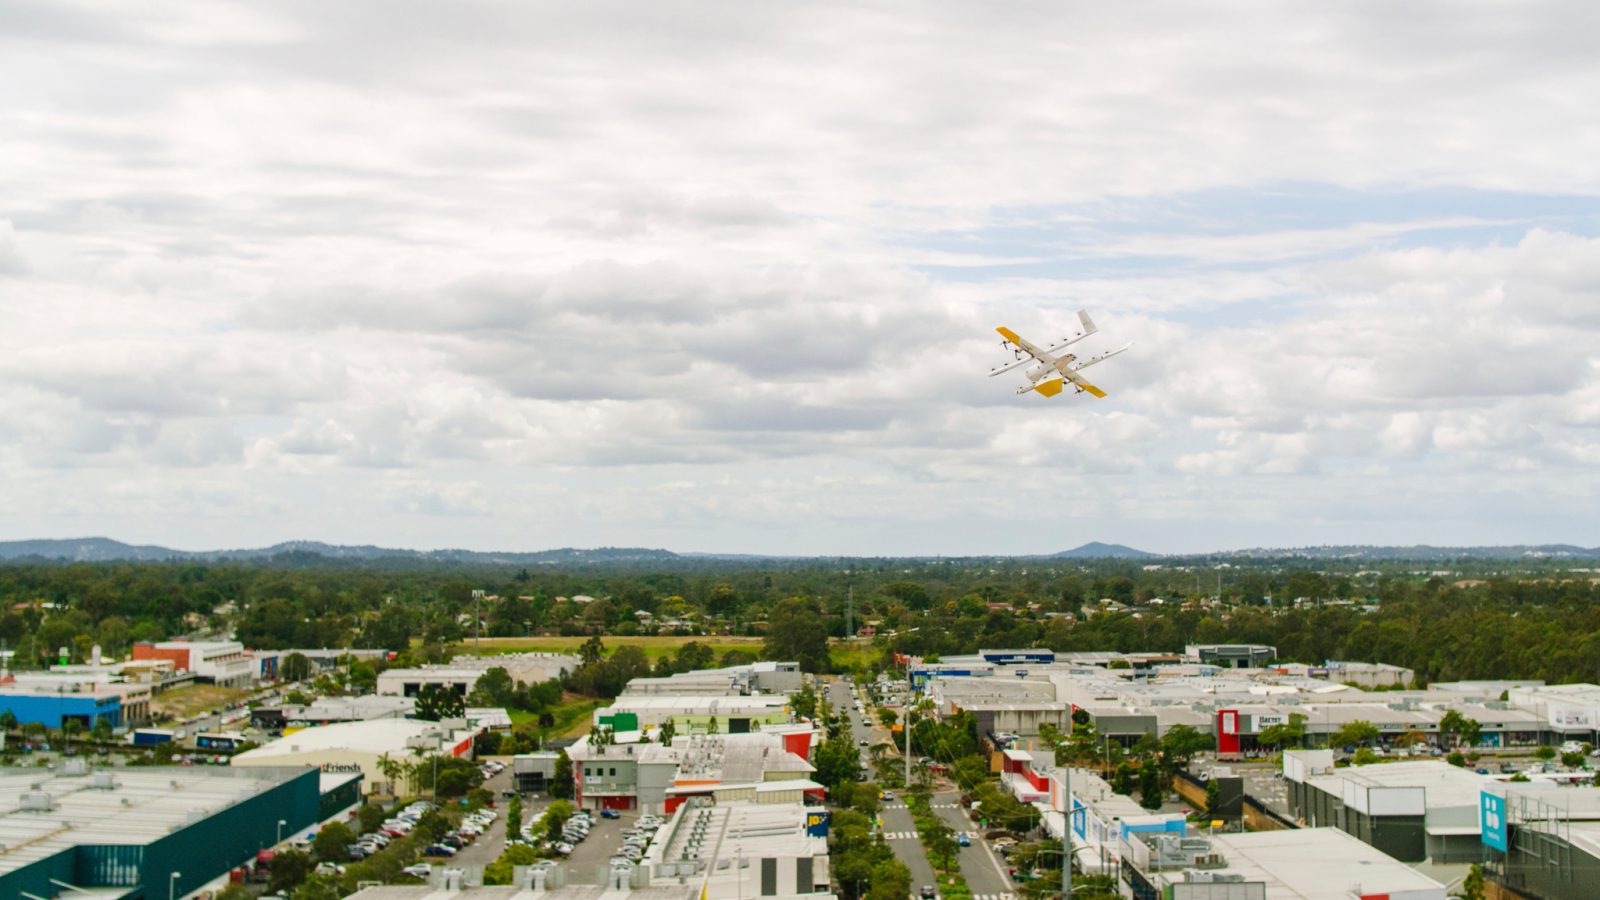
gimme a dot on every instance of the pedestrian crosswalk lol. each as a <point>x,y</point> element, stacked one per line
<point>994,897</point>
<point>899,835</point>
<point>935,806</point>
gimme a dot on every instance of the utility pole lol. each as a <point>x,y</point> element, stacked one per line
<point>1066,834</point>
<point>477,621</point>
<point>905,722</point>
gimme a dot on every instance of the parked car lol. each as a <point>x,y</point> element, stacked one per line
<point>418,870</point>
<point>438,850</point>
<point>610,814</point>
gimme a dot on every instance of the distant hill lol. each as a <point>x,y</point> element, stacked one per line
<point>99,549</point>
<point>1097,550</point>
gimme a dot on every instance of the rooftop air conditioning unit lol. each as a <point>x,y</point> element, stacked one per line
<point>37,801</point>
<point>104,780</point>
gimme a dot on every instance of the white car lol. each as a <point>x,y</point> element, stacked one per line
<point>419,870</point>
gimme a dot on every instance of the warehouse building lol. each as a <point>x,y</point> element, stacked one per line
<point>1541,843</point>
<point>658,778</point>
<point>142,832</point>
<point>1298,864</point>
<point>333,710</point>
<point>225,663</point>
<point>1413,811</point>
<point>54,706</point>
<point>742,850</point>
<point>694,715</point>
<point>463,672</point>
<point>363,747</point>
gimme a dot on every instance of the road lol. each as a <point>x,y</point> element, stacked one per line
<point>898,828</point>
<point>985,876</point>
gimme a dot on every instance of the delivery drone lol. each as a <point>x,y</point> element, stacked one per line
<point>1042,377</point>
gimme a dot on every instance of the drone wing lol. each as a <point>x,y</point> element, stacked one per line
<point>1077,379</point>
<point>1088,329</point>
<point>1103,357</point>
<point>1024,346</point>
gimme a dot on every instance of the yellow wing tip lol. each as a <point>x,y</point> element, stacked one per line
<point>1008,334</point>
<point>1094,390</point>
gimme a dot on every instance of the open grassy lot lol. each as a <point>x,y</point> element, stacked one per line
<point>654,646</point>
<point>191,700</point>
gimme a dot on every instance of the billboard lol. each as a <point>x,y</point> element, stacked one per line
<point>817,823</point>
<point>1492,820</point>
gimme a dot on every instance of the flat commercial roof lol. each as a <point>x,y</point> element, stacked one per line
<point>1319,864</point>
<point>140,805</point>
<point>573,892</point>
<point>370,736</point>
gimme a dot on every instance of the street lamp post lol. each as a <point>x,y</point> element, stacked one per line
<point>172,883</point>
<point>281,823</point>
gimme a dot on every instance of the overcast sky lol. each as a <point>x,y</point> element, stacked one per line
<point>725,277</point>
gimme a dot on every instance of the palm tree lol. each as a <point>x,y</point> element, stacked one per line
<point>391,769</point>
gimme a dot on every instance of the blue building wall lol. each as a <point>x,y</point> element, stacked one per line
<point>50,710</point>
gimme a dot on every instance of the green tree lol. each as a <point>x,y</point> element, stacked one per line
<point>561,782</point>
<point>1150,793</point>
<point>493,688</point>
<point>1123,778</point>
<point>556,816</point>
<point>794,633</point>
<point>436,702</point>
<point>940,841</point>
<point>332,843</point>
<point>101,729</point>
<point>295,667</point>
<point>1181,743</point>
<point>1545,753</point>
<point>1358,732</point>
<point>803,703</point>
<point>1573,759</point>
<point>289,869</point>
<point>1472,887</point>
<point>1213,796</point>
<point>891,880</point>
<point>1364,757</point>
<point>837,762</point>
<point>1290,733</point>
<point>501,870</point>
<point>514,816</point>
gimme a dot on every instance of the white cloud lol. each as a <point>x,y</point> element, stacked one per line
<point>726,278</point>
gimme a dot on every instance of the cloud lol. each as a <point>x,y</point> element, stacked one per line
<point>728,278</point>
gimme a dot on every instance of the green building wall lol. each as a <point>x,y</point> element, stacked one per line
<point>199,852</point>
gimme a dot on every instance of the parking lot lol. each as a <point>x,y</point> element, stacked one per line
<point>587,863</point>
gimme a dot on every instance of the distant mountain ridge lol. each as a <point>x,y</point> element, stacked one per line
<point>101,549</point>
